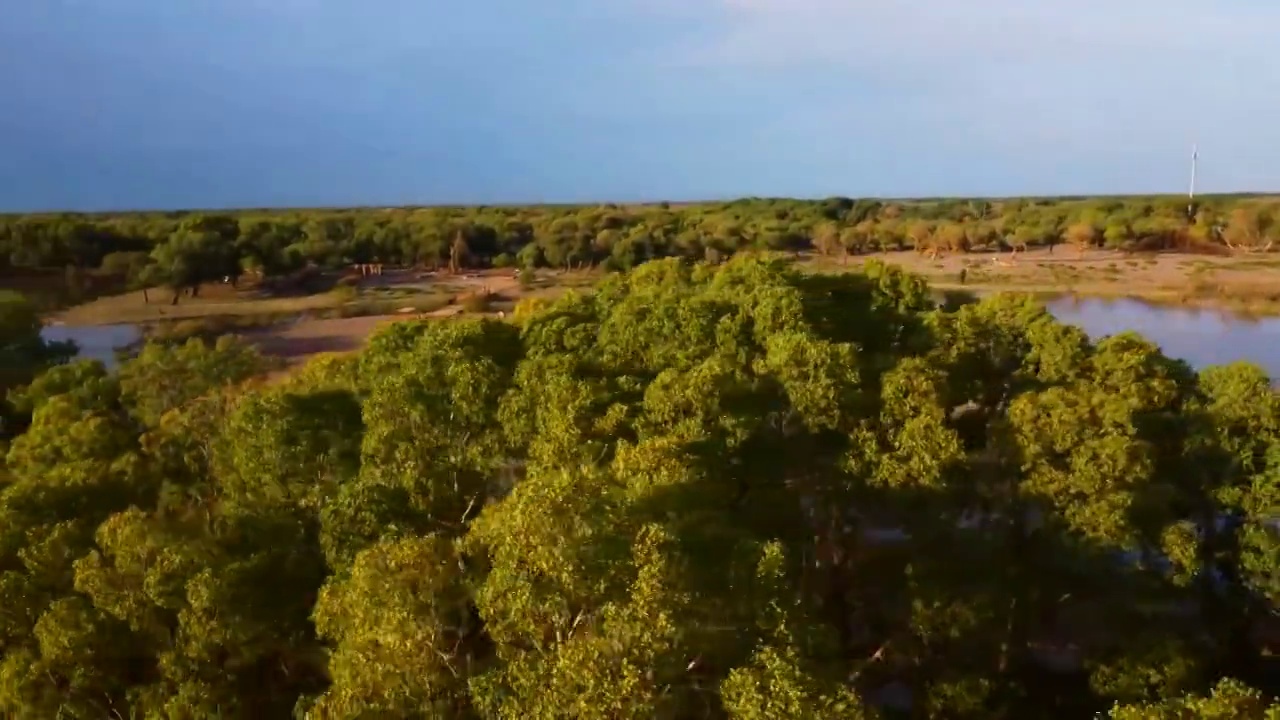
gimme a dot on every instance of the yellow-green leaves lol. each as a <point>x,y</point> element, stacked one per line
<point>163,377</point>
<point>1229,700</point>
<point>284,447</point>
<point>404,638</point>
<point>22,352</point>
<point>703,492</point>
<point>623,658</point>
<point>775,686</point>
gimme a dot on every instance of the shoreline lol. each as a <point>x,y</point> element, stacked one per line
<point>1169,299</point>
<point>1242,285</point>
<point>1166,298</point>
<point>1247,285</point>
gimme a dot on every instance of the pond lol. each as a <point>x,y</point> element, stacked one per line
<point>1201,337</point>
<point>98,342</point>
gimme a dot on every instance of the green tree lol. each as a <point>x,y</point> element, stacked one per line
<point>1229,701</point>
<point>162,377</point>
<point>191,257</point>
<point>23,353</point>
<point>700,491</point>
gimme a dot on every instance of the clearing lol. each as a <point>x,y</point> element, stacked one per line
<point>340,318</point>
<point>1241,283</point>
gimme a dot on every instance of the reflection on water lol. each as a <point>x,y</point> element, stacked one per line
<point>98,342</point>
<point>1201,337</point>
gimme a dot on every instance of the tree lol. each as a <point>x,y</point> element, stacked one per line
<point>458,252</point>
<point>1083,235</point>
<point>919,233</point>
<point>405,638</point>
<point>773,687</point>
<point>192,257</point>
<point>1247,230</point>
<point>125,264</point>
<point>147,277</point>
<point>826,239</point>
<point>951,237</point>
<point>1022,238</point>
<point>280,242</point>
<point>163,377</point>
<point>1229,701</point>
<point>23,353</point>
<point>730,490</point>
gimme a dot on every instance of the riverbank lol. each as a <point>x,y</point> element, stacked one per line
<point>1200,335</point>
<point>1242,284</point>
<point>399,291</point>
<point>297,327</point>
<point>1246,285</point>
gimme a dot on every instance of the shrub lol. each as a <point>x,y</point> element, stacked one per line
<point>476,302</point>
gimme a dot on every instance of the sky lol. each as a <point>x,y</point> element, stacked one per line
<point>131,104</point>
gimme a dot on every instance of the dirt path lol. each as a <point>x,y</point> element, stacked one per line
<point>299,340</point>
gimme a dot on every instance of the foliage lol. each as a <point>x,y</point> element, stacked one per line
<point>23,354</point>
<point>716,490</point>
<point>1229,701</point>
<point>184,249</point>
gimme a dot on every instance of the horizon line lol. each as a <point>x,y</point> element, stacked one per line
<point>1243,194</point>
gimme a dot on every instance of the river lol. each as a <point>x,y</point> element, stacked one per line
<point>98,342</point>
<point>1202,337</point>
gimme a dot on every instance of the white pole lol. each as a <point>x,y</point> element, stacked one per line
<point>1194,155</point>
<point>1191,193</point>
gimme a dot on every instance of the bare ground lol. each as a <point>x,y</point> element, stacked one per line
<point>1243,283</point>
<point>298,340</point>
<point>1240,282</point>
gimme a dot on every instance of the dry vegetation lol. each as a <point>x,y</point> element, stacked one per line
<point>339,319</point>
<point>1248,285</point>
<point>336,320</point>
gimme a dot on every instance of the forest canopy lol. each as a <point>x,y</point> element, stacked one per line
<point>700,491</point>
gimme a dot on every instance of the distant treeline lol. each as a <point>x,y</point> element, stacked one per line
<point>182,249</point>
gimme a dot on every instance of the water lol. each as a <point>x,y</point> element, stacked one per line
<point>98,342</point>
<point>1201,337</point>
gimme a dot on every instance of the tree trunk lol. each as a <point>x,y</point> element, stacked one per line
<point>1013,651</point>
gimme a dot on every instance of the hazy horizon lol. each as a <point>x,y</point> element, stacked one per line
<point>623,202</point>
<point>133,104</point>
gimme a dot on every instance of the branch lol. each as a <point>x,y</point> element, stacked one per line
<point>877,656</point>
<point>467,512</point>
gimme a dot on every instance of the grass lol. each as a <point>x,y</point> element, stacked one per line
<point>1245,285</point>
<point>132,308</point>
<point>211,326</point>
<point>220,305</point>
<point>1249,301</point>
<point>1244,300</point>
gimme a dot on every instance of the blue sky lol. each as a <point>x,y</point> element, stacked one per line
<point>217,103</point>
